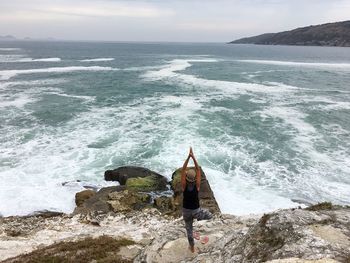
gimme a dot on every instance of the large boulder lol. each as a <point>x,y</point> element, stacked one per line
<point>127,201</point>
<point>124,173</point>
<point>315,232</point>
<point>140,188</point>
<point>82,196</point>
<point>147,184</point>
<point>165,204</point>
<point>206,196</point>
<point>114,199</point>
<point>135,192</point>
<point>98,202</point>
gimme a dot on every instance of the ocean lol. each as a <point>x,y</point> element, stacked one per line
<point>270,125</point>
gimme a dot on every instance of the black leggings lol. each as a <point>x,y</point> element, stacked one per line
<point>189,215</point>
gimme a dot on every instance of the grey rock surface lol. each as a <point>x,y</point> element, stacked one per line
<point>122,174</point>
<point>285,236</point>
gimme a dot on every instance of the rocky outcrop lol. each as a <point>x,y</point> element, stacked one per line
<point>137,190</point>
<point>318,235</point>
<point>330,34</point>
<point>140,188</point>
<point>16,226</point>
<point>206,195</point>
<point>295,235</point>
<point>166,205</point>
<point>299,232</point>
<point>127,201</point>
<point>154,181</point>
<point>82,196</point>
<point>97,204</point>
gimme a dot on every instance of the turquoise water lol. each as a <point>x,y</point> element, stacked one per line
<point>270,125</point>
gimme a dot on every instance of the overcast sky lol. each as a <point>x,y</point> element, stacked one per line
<point>163,20</point>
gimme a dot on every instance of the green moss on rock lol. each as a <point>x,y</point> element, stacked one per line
<point>176,179</point>
<point>164,204</point>
<point>128,201</point>
<point>263,220</point>
<point>82,196</point>
<point>148,183</point>
<point>102,249</point>
<point>320,206</point>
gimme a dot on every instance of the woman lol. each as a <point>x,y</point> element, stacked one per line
<point>190,182</point>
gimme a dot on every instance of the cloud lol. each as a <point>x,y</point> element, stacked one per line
<point>79,8</point>
<point>109,10</point>
<point>170,20</point>
<point>215,26</point>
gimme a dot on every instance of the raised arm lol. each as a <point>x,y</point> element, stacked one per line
<point>198,171</point>
<point>183,173</point>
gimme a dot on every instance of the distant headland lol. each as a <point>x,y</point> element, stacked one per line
<point>13,38</point>
<point>330,34</point>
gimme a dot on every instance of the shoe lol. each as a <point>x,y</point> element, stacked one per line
<point>204,240</point>
<point>196,235</point>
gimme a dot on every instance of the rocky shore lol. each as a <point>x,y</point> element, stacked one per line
<point>330,34</point>
<point>140,221</point>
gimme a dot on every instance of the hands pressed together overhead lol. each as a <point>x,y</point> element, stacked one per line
<point>197,169</point>
<point>191,153</point>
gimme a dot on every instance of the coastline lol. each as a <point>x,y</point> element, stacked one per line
<point>139,229</point>
<point>292,235</point>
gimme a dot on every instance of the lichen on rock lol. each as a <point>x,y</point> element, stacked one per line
<point>82,196</point>
<point>126,201</point>
<point>101,249</point>
<point>165,204</point>
<point>140,188</point>
<point>148,183</point>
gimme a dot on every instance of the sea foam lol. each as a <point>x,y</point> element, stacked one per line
<point>7,74</point>
<point>172,72</point>
<point>155,132</point>
<point>39,60</point>
<point>20,59</point>
<point>97,59</point>
<point>299,64</point>
<point>9,49</point>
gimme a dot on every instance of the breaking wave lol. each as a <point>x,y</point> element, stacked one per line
<point>299,64</point>
<point>97,59</point>
<point>7,74</point>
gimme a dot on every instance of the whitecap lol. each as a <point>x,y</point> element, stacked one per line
<point>20,59</point>
<point>9,49</point>
<point>87,98</point>
<point>291,116</point>
<point>97,59</point>
<point>38,60</point>
<point>39,83</point>
<point>336,105</point>
<point>171,73</point>
<point>304,137</point>
<point>299,64</point>
<point>19,101</point>
<point>10,58</point>
<point>142,68</point>
<point>325,103</point>
<point>171,124</point>
<point>238,195</point>
<point>7,74</point>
